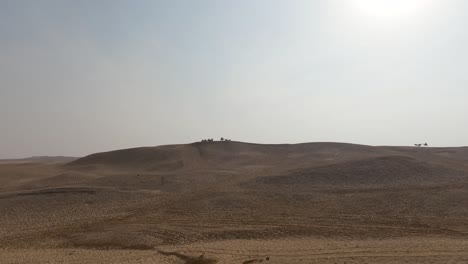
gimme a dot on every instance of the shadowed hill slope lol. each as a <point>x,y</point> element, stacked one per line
<point>221,154</point>
<point>162,158</point>
<point>385,171</point>
<point>238,165</point>
<point>300,166</point>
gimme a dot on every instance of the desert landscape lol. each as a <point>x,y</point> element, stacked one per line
<point>234,132</point>
<point>234,202</point>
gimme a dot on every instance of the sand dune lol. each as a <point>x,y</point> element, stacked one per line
<point>222,154</point>
<point>174,198</point>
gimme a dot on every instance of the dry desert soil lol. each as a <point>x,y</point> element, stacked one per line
<point>233,202</point>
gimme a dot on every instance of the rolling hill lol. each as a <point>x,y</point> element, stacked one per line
<point>155,197</point>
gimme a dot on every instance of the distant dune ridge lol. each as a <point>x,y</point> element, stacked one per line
<point>39,159</point>
<point>402,162</point>
<point>208,192</point>
<point>303,166</point>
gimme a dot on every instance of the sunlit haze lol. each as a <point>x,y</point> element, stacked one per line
<point>78,77</point>
<point>393,9</point>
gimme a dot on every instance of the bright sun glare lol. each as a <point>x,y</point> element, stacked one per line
<point>391,9</point>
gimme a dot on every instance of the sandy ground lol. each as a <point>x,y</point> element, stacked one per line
<point>304,250</point>
<point>231,202</point>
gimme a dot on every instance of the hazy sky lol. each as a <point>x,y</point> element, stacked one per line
<point>78,77</point>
